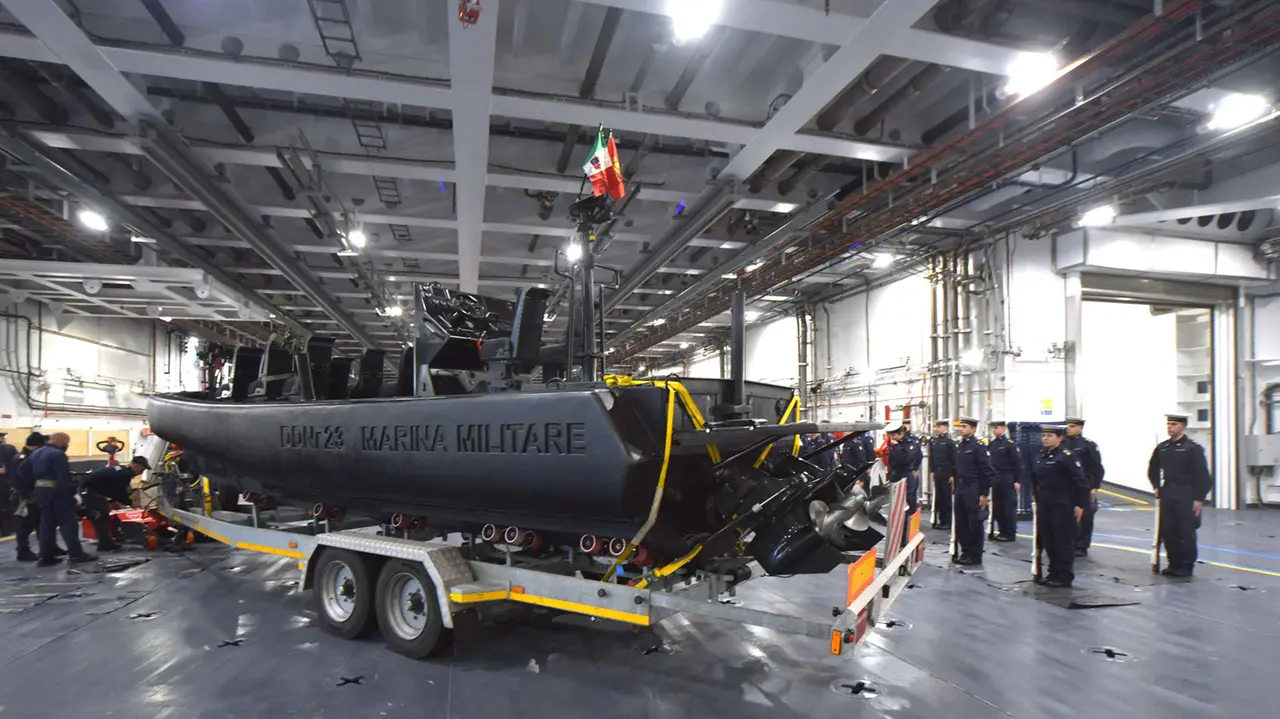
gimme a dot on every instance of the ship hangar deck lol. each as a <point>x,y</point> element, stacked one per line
<point>218,633</point>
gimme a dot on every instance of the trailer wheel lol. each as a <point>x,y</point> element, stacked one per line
<point>408,611</point>
<point>344,594</point>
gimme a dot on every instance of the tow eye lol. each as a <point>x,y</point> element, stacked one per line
<point>860,688</point>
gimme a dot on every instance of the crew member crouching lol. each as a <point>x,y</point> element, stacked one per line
<point>109,484</point>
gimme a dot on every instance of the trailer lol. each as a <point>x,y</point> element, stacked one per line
<point>364,578</point>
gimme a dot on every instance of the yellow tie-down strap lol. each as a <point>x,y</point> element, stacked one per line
<point>686,401</point>
<point>518,594</point>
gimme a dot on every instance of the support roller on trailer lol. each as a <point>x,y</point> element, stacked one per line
<point>412,591</point>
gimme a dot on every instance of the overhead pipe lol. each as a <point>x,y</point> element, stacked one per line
<point>167,26</point>
<point>32,96</point>
<point>139,179</point>
<point>916,85</point>
<point>604,40</point>
<point>882,72</point>
<point>709,206</point>
<point>64,81</point>
<point>799,220</point>
<point>168,151</point>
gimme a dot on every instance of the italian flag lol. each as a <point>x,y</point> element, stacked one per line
<point>604,169</point>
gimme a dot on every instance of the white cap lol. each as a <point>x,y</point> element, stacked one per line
<point>894,426</point>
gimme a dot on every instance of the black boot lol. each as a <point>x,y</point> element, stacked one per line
<point>27,555</point>
<point>49,561</point>
<point>83,558</point>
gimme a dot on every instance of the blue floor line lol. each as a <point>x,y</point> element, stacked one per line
<point>1201,546</point>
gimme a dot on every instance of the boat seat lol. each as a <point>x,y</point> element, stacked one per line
<point>371,373</point>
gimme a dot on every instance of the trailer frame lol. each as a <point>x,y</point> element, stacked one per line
<point>459,584</point>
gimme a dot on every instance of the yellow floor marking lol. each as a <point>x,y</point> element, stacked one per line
<point>1147,552</point>
<point>1124,496</point>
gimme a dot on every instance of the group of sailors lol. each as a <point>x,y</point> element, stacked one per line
<point>38,493</point>
<point>976,479</point>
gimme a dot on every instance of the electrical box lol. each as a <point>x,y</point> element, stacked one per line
<point>1262,450</point>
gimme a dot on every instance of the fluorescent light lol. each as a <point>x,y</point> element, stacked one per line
<point>883,260</point>
<point>783,207</point>
<point>658,322</point>
<point>142,240</point>
<point>684,345</point>
<point>753,266</point>
<point>609,351</point>
<point>752,315</point>
<point>1098,216</point>
<point>972,357</point>
<point>728,245</point>
<point>92,220</point>
<point>691,19</point>
<point>775,298</point>
<point>1237,110</point>
<point>395,311</point>
<point>392,278</point>
<point>272,315</point>
<point>729,276</point>
<point>357,238</point>
<point>573,251</point>
<point>348,253</point>
<point>1030,73</point>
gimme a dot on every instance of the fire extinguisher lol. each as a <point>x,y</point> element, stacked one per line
<point>468,12</point>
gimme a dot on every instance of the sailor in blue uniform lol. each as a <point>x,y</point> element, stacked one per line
<point>1006,461</point>
<point>1061,494</point>
<point>1085,450</point>
<point>1179,474</point>
<point>105,485</point>
<point>973,481</point>
<point>942,469</point>
<point>56,494</point>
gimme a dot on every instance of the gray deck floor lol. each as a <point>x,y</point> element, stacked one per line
<point>212,633</point>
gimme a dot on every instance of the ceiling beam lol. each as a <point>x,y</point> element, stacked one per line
<point>771,17</point>
<point>163,146</point>
<point>883,32</point>
<point>472,52</point>
<point>411,220</point>
<point>343,164</point>
<point>269,75</point>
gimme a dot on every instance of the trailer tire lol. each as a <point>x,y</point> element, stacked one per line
<point>409,612</point>
<point>343,594</point>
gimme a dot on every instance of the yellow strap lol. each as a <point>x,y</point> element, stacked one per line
<point>657,493</point>
<point>795,448</point>
<point>670,568</point>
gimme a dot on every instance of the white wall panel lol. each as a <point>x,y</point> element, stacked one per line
<point>1128,381</point>
<point>772,354</point>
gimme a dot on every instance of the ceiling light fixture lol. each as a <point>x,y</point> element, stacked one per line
<point>1030,73</point>
<point>141,240</point>
<point>1237,110</point>
<point>348,253</point>
<point>753,266</point>
<point>691,19</point>
<point>92,220</point>
<point>752,315</point>
<point>573,251</point>
<point>395,311</point>
<point>357,238</point>
<point>684,345</point>
<point>883,260</point>
<point>1098,216</point>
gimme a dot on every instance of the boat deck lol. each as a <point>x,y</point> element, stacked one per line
<point>215,633</point>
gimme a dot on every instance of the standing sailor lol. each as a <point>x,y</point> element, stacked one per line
<point>1179,474</point>
<point>1085,450</point>
<point>1061,493</point>
<point>973,481</point>
<point>900,461</point>
<point>942,468</point>
<point>1006,462</point>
